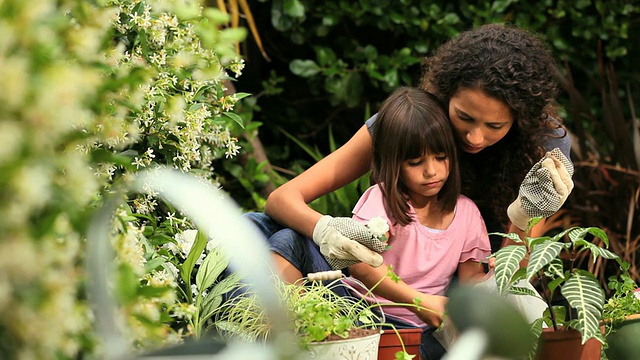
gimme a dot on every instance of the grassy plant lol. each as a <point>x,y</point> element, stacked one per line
<point>318,313</point>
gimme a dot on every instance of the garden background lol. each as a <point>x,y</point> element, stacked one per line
<point>243,95</point>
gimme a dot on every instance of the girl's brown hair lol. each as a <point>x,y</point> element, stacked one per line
<point>410,123</point>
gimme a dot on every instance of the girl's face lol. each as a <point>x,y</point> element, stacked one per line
<point>425,176</point>
<point>479,121</point>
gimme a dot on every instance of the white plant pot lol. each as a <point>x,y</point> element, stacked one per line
<point>364,348</point>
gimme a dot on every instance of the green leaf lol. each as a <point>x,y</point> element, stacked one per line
<point>199,245</point>
<point>518,290</point>
<point>304,68</point>
<point>560,235</point>
<point>315,154</point>
<point>507,263</point>
<point>555,269</point>
<point>533,222</point>
<point>242,95</point>
<point>542,255</point>
<point>583,292</point>
<point>597,232</point>
<point>294,8</point>
<point>154,263</point>
<point>577,234</point>
<point>560,314</point>
<point>127,284</point>
<point>233,35</point>
<point>598,251</point>
<point>512,236</point>
<point>235,117</point>
<point>553,284</point>
<point>212,266</point>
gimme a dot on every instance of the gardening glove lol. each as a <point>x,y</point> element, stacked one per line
<point>345,242</point>
<point>544,189</point>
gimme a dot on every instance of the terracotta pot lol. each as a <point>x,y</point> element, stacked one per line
<point>390,344</point>
<point>566,345</point>
<point>623,342</point>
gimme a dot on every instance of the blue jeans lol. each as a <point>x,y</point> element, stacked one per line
<point>299,250</point>
<point>305,256</point>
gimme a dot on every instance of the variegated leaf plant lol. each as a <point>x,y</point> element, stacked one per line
<point>555,272</point>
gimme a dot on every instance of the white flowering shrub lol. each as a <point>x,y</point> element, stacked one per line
<point>168,102</point>
<point>90,91</point>
<point>48,80</point>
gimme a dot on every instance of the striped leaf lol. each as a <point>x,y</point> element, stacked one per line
<point>578,234</point>
<point>555,269</point>
<point>507,263</point>
<point>583,292</point>
<point>560,235</point>
<point>519,290</point>
<point>542,255</point>
<point>597,251</point>
<point>536,330</point>
<point>512,236</point>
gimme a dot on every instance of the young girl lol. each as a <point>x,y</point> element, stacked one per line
<point>433,230</point>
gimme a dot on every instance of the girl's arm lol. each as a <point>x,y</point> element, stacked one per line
<point>288,203</point>
<point>400,292</point>
<point>471,272</point>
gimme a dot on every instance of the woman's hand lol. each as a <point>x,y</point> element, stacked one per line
<point>344,242</point>
<point>544,189</point>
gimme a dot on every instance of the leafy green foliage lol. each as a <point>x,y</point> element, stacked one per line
<point>623,302</point>
<point>317,312</point>
<point>581,289</point>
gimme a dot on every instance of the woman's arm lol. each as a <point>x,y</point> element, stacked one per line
<point>288,203</point>
<point>400,292</point>
<point>536,231</point>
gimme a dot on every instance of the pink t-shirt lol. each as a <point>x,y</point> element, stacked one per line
<point>424,258</point>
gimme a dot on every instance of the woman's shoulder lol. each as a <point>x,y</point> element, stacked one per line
<point>558,138</point>
<point>370,122</point>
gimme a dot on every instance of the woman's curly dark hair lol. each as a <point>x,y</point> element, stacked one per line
<point>516,67</point>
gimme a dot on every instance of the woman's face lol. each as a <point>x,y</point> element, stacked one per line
<point>478,120</point>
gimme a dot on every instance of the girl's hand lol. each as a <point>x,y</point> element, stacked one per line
<point>431,309</point>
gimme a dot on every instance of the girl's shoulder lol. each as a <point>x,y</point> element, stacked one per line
<point>371,203</point>
<point>466,206</point>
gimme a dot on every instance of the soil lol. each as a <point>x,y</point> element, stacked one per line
<point>354,334</point>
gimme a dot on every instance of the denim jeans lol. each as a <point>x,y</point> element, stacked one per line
<point>299,250</point>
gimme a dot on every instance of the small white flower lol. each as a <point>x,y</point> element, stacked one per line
<point>379,227</point>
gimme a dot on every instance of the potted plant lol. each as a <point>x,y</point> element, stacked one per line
<point>621,317</point>
<point>328,325</point>
<point>551,263</point>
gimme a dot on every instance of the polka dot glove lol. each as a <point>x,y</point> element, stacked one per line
<point>345,242</point>
<point>544,190</point>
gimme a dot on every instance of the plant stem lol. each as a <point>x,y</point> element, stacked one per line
<point>547,299</point>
